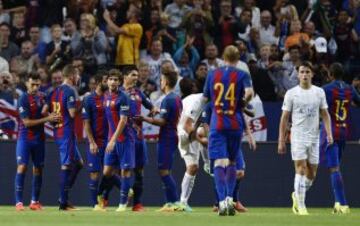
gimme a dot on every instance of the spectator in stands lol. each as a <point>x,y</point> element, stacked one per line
<point>296,37</point>
<point>182,58</point>
<point>244,25</point>
<point>155,59</point>
<point>255,12</point>
<point>200,76</point>
<point>263,85</point>
<point>18,31</point>
<point>83,87</point>
<point>128,52</point>
<point>91,44</point>
<point>290,65</point>
<point>199,24</point>
<point>283,9</point>
<point>144,73</point>
<point>58,52</point>
<point>8,49</point>
<point>264,53</point>
<point>153,27</point>
<point>27,61</point>
<point>254,42</point>
<point>211,57</point>
<point>177,11</point>
<point>309,29</point>
<point>226,28</point>
<point>276,73</point>
<point>167,34</point>
<point>4,16</point>
<point>70,29</point>
<point>39,46</point>
<point>7,88</point>
<point>267,30</point>
<point>4,65</point>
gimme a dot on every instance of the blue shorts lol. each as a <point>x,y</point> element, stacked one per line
<point>69,152</point>
<point>35,149</point>
<point>123,155</point>
<point>224,144</point>
<point>95,162</point>
<point>140,153</point>
<point>240,163</point>
<point>330,155</point>
<point>165,152</point>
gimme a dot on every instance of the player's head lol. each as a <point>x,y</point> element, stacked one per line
<point>33,82</point>
<point>186,87</point>
<point>71,74</point>
<point>113,80</point>
<point>57,77</point>
<point>131,76</point>
<point>168,80</point>
<point>231,54</point>
<point>337,71</point>
<point>305,73</point>
<point>100,81</point>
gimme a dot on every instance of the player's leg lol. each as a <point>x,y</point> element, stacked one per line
<point>38,157</point>
<point>126,154</point>
<point>337,183</point>
<point>22,158</point>
<point>140,161</point>
<point>94,168</point>
<point>191,158</point>
<point>240,174</point>
<point>77,161</point>
<point>166,151</point>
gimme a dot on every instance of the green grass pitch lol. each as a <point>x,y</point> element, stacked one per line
<point>200,217</point>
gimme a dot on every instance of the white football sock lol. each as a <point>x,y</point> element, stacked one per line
<point>300,189</point>
<point>308,183</point>
<point>186,187</point>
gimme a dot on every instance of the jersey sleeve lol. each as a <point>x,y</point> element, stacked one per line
<point>124,105</point>
<point>70,99</point>
<point>323,102</point>
<point>164,109</point>
<point>207,89</point>
<point>146,101</point>
<point>247,82</point>
<point>23,107</point>
<point>288,102</point>
<point>86,111</point>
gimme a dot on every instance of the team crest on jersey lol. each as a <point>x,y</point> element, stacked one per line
<point>71,99</point>
<point>83,110</point>
<point>21,109</point>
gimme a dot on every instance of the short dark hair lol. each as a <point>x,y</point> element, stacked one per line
<point>337,70</point>
<point>186,86</point>
<point>33,75</point>
<point>128,69</point>
<point>98,78</point>
<point>102,72</point>
<point>307,64</point>
<point>200,64</point>
<point>68,71</point>
<point>115,73</point>
<point>5,24</point>
<point>171,77</point>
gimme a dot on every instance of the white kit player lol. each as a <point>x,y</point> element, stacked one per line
<point>304,103</point>
<point>190,149</point>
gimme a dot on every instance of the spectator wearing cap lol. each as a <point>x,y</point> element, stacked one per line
<point>267,30</point>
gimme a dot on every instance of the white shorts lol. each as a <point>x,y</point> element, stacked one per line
<point>189,151</point>
<point>305,151</point>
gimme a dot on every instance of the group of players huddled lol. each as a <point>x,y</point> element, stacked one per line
<point>209,124</point>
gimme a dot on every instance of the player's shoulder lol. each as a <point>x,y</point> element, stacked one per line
<point>23,97</point>
<point>317,89</point>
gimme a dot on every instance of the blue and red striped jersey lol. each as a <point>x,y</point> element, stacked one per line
<point>116,105</point>
<point>94,111</point>
<point>339,96</point>
<point>60,100</point>
<point>30,107</point>
<point>137,98</point>
<point>170,110</point>
<point>224,87</point>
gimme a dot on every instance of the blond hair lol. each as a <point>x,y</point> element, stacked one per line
<point>231,54</point>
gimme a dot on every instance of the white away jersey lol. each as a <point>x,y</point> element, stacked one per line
<point>191,105</point>
<point>305,105</point>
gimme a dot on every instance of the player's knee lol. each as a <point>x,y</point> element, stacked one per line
<point>334,169</point>
<point>107,172</point>
<point>164,172</point>
<point>240,174</point>
<point>21,168</point>
<point>37,171</point>
<point>94,175</point>
<point>126,173</point>
<point>192,169</point>
<point>221,163</point>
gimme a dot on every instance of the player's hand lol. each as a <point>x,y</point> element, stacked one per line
<point>252,144</point>
<point>93,148</point>
<point>110,146</point>
<point>330,140</point>
<point>281,148</point>
<point>154,112</point>
<point>54,117</point>
<point>138,118</point>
